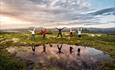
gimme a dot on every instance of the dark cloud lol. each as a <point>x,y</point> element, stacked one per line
<point>107,11</point>
<point>53,9</point>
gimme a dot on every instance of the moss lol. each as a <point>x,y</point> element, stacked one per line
<point>10,63</point>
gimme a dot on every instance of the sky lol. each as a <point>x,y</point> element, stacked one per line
<point>101,4</point>
<point>57,13</point>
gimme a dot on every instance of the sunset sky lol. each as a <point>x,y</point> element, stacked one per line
<point>55,13</point>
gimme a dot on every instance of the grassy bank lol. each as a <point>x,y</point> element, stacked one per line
<point>103,42</point>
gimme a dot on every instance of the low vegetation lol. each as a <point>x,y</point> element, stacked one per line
<point>103,42</point>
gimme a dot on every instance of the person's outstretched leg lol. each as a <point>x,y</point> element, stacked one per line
<point>61,35</point>
<point>58,35</point>
<point>43,36</point>
<point>33,37</point>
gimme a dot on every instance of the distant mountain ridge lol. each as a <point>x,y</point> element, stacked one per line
<point>101,30</point>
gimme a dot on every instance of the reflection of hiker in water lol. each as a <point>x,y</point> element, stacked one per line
<point>79,32</point>
<point>60,31</point>
<point>59,49</point>
<point>50,45</point>
<point>78,50</point>
<point>71,50</point>
<point>44,48</point>
<point>43,33</point>
<point>33,49</point>
<point>33,34</point>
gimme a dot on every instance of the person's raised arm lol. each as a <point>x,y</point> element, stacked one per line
<point>57,28</point>
<point>61,46</point>
<point>63,28</point>
<point>70,30</point>
<point>57,46</point>
<point>81,28</point>
<point>34,29</point>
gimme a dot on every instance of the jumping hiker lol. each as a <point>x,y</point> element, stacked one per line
<point>79,32</point>
<point>71,33</point>
<point>44,32</point>
<point>59,32</point>
<point>33,34</point>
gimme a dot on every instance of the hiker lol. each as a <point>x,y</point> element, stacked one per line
<point>44,32</point>
<point>71,50</point>
<point>71,33</point>
<point>33,49</point>
<point>60,32</point>
<point>59,49</point>
<point>33,34</point>
<point>79,32</point>
<point>78,50</point>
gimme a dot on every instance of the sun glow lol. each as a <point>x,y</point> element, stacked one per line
<point>11,22</point>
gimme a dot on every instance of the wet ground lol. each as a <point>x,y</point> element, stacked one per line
<point>61,54</point>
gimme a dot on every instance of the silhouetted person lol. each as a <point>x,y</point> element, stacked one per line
<point>43,33</point>
<point>71,33</point>
<point>71,50</point>
<point>59,32</point>
<point>59,49</point>
<point>44,48</point>
<point>33,49</point>
<point>78,50</point>
<point>33,34</point>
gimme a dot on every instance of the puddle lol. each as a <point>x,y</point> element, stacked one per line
<point>72,56</point>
